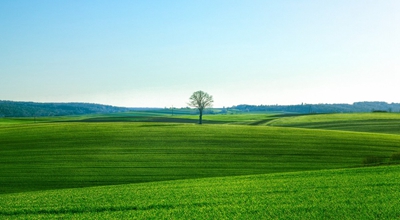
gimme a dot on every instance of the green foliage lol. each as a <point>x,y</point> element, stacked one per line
<point>33,109</point>
<point>325,108</point>
<point>367,193</point>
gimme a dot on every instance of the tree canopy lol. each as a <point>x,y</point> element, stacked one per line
<point>201,100</point>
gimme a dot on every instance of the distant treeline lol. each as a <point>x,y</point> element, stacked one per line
<point>33,109</point>
<point>324,108</point>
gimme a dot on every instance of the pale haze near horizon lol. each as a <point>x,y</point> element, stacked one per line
<point>157,53</point>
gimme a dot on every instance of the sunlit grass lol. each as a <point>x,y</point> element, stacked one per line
<point>362,122</point>
<point>367,193</point>
<point>50,165</point>
<point>64,155</point>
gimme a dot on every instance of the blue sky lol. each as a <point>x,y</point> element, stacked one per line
<point>157,53</point>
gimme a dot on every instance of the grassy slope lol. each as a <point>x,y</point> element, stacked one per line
<point>362,122</point>
<point>239,119</point>
<point>61,155</point>
<point>180,116</point>
<point>363,193</point>
<point>64,155</point>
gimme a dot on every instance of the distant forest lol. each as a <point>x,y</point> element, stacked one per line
<point>34,109</point>
<point>324,108</point>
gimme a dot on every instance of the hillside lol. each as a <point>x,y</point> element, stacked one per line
<point>155,165</point>
<point>41,156</point>
<point>388,123</point>
<point>363,193</point>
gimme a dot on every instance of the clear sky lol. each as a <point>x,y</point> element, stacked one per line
<point>157,53</point>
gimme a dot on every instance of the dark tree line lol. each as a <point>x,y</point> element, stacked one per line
<point>324,108</point>
<point>33,109</point>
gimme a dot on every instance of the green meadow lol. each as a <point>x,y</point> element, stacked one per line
<point>361,122</point>
<point>362,193</point>
<point>157,165</point>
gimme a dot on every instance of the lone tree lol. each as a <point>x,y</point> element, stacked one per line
<point>201,100</point>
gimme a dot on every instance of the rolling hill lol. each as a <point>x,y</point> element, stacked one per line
<point>155,165</point>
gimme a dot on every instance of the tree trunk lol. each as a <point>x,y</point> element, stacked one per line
<point>201,117</point>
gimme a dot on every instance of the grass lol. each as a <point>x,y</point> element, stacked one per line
<point>238,119</point>
<point>163,115</point>
<point>363,193</point>
<point>64,155</point>
<point>151,165</point>
<point>362,122</point>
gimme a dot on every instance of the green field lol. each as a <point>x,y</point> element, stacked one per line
<point>155,165</point>
<point>362,122</point>
<point>367,193</point>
